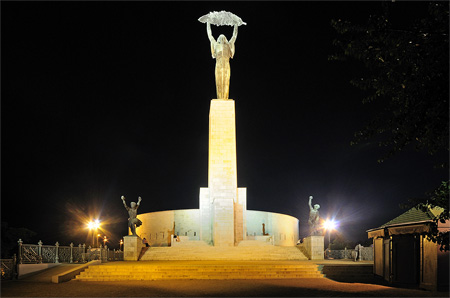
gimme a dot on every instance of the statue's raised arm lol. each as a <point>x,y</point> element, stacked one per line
<point>235,32</point>
<point>124,203</point>
<point>310,205</point>
<point>209,32</point>
<point>232,40</point>
<point>211,39</point>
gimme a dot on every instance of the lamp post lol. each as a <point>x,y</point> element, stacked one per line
<point>120,243</point>
<point>98,235</point>
<point>94,225</point>
<point>329,225</point>
<point>104,241</point>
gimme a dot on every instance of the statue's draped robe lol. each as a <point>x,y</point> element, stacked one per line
<point>222,51</point>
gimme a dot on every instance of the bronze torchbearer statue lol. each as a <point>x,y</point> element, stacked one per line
<point>313,220</point>
<point>133,221</point>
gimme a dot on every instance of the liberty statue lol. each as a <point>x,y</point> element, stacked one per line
<point>222,49</point>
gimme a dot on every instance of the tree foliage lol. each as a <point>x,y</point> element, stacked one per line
<point>340,242</point>
<point>409,71</point>
<point>406,69</point>
<point>10,236</point>
<point>437,198</point>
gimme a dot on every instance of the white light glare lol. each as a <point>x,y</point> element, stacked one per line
<point>329,225</point>
<point>94,224</point>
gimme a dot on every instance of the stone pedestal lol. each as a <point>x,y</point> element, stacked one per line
<point>222,204</point>
<point>314,247</point>
<point>132,246</point>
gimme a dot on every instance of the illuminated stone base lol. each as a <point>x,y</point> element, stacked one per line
<point>222,219</point>
<point>132,246</point>
<point>221,270</point>
<point>259,251</point>
<point>313,247</point>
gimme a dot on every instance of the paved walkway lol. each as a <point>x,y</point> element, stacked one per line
<point>39,285</point>
<point>342,262</point>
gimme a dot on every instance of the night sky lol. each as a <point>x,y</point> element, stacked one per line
<point>107,99</point>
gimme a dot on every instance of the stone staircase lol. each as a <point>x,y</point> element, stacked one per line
<point>247,251</point>
<point>124,271</point>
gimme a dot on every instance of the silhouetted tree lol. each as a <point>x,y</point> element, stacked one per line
<point>437,198</point>
<point>10,236</point>
<point>340,242</point>
<point>407,69</point>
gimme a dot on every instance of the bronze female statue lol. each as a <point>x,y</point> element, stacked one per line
<point>222,50</point>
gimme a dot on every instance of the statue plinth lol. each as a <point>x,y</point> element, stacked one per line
<point>313,247</point>
<point>222,204</point>
<point>132,246</point>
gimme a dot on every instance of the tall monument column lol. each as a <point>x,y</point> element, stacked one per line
<point>222,204</point>
<point>222,170</point>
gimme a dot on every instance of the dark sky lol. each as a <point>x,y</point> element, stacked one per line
<point>107,99</point>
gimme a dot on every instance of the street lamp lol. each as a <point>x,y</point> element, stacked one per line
<point>121,242</point>
<point>329,225</point>
<point>104,241</point>
<point>93,225</point>
<point>98,235</point>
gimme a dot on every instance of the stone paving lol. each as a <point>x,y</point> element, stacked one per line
<point>39,285</point>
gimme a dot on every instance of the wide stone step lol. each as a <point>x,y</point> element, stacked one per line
<point>147,266</point>
<point>197,269</point>
<point>190,244</point>
<point>119,272</point>
<point>149,271</point>
<point>218,274</point>
<point>254,243</point>
<point>264,252</point>
<point>188,277</point>
<point>196,276</point>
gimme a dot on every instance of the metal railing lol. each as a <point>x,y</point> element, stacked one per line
<point>36,254</point>
<point>366,253</point>
<point>8,269</point>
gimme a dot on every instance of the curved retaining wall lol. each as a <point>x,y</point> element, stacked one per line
<point>283,228</point>
<point>157,227</point>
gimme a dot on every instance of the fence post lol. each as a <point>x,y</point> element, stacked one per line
<point>20,250</point>
<point>56,257</point>
<point>40,251</point>
<point>14,273</point>
<point>80,255</point>
<point>71,254</point>
<point>83,255</point>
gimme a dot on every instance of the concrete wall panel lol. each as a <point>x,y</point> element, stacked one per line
<point>283,228</point>
<point>158,226</point>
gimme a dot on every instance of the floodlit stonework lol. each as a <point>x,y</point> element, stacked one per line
<point>222,219</point>
<point>312,247</point>
<point>132,247</point>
